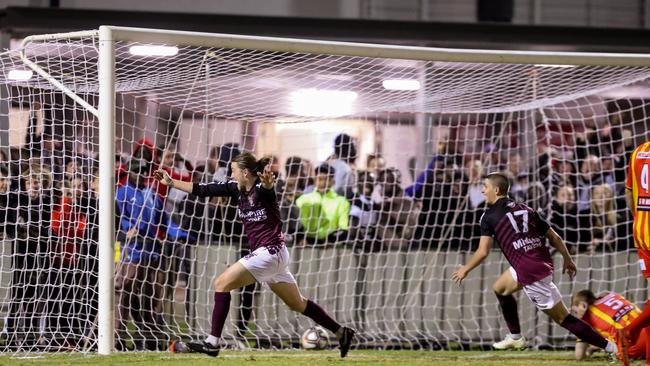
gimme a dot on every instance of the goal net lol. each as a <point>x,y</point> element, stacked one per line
<point>378,152</point>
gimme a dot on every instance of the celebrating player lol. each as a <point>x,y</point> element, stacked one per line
<point>268,262</point>
<point>520,233</point>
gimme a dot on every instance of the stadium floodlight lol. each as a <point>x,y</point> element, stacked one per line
<point>322,103</point>
<point>153,50</point>
<point>401,84</point>
<point>20,75</point>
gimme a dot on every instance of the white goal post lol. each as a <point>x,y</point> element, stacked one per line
<point>92,69</point>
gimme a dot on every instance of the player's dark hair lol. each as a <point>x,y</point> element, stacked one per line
<point>500,181</point>
<point>248,161</point>
<point>584,295</point>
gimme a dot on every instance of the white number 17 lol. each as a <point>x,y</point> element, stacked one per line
<point>523,213</point>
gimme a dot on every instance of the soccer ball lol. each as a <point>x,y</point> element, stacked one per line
<point>178,346</point>
<point>314,338</point>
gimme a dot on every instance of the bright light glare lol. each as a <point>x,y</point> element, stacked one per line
<point>20,75</point>
<point>322,103</point>
<point>153,50</point>
<point>401,84</point>
<point>556,66</point>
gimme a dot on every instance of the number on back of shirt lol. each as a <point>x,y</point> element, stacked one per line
<point>614,303</point>
<point>524,214</point>
<point>644,178</point>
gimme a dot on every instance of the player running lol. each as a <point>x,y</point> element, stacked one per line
<point>521,233</point>
<point>268,262</point>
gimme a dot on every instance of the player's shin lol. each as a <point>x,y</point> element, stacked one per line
<point>219,314</point>
<point>583,331</point>
<point>508,305</point>
<point>320,316</point>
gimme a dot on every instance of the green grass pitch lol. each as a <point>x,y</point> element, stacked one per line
<point>299,358</point>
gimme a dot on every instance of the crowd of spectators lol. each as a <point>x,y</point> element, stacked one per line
<point>49,206</point>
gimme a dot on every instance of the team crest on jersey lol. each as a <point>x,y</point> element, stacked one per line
<point>643,155</point>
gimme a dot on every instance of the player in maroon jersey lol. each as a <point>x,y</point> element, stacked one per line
<point>521,233</point>
<point>268,262</point>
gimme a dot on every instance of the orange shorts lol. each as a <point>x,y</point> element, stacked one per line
<point>638,348</point>
<point>644,261</point>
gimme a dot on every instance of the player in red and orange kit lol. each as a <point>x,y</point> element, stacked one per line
<point>611,314</point>
<point>634,330</point>
<point>638,199</point>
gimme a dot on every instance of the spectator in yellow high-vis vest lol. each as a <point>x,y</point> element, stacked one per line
<point>324,214</point>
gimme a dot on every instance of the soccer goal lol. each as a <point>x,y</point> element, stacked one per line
<point>415,129</point>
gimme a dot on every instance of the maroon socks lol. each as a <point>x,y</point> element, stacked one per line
<point>583,331</point>
<point>219,312</point>
<point>509,310</point>
<point>320,316</point>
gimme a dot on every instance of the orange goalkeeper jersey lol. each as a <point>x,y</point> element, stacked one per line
<point>609,313</point>
<point>638,173</point>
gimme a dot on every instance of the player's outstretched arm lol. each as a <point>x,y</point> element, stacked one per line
<point>479,256</point>
<point>164,178</point>
<point>569,266</point>
<point>581,350</point>
<point>584,350</point>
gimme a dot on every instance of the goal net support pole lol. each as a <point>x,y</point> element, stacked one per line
<point>106,284</point>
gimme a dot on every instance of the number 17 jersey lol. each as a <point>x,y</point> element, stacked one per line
<point>520,233</point>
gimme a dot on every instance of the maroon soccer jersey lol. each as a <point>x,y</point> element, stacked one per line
<point>258,210</point>
<point>521,235</point>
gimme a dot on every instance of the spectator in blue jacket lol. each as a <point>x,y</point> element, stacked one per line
<point>144,226</point>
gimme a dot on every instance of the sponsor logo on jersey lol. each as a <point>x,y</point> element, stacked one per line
<point>643,204</point>
<point>253,215</point>
<point>622,312</point>
<point>527,243</point>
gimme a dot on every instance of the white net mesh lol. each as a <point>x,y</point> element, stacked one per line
<point>381,263</point>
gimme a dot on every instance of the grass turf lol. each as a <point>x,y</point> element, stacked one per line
<point>298,358</point>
